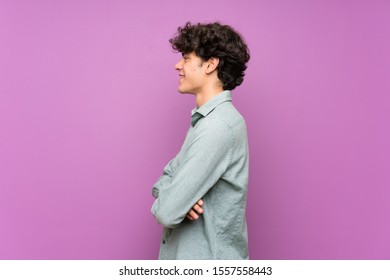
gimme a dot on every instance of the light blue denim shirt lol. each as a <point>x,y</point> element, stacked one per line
<point>212,164</point>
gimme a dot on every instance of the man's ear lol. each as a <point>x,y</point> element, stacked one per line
<point>212,64</point>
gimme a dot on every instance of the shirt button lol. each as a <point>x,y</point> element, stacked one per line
<point>163,242</point>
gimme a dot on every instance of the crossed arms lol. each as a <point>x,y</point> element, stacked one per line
<point>187,178</point>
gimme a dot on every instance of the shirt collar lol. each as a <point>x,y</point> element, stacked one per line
<point>209,106</point>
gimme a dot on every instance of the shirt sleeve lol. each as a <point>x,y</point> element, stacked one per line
<point>166,178</point>
<point>203,163</point>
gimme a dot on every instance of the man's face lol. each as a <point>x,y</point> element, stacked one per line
<point>191,72</point>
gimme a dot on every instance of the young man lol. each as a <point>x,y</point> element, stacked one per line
<point>201,196</point>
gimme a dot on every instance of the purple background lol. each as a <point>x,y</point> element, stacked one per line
<point>90,114</point>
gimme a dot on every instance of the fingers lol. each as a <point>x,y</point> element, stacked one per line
<point>193,214</point>
<point>197,208</point>
<point>188,216</point>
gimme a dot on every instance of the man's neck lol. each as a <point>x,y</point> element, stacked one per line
<point>204,96</point>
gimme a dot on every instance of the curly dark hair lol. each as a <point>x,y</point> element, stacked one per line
<point>219,41</point>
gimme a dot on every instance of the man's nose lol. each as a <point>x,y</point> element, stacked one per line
<point>179,65</point>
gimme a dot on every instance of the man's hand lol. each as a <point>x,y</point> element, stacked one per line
<point>196,210</point>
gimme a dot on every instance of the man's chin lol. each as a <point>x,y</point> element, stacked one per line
<point>184,91</point>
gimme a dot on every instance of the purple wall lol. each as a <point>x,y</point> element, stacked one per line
<point>90,114</point>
